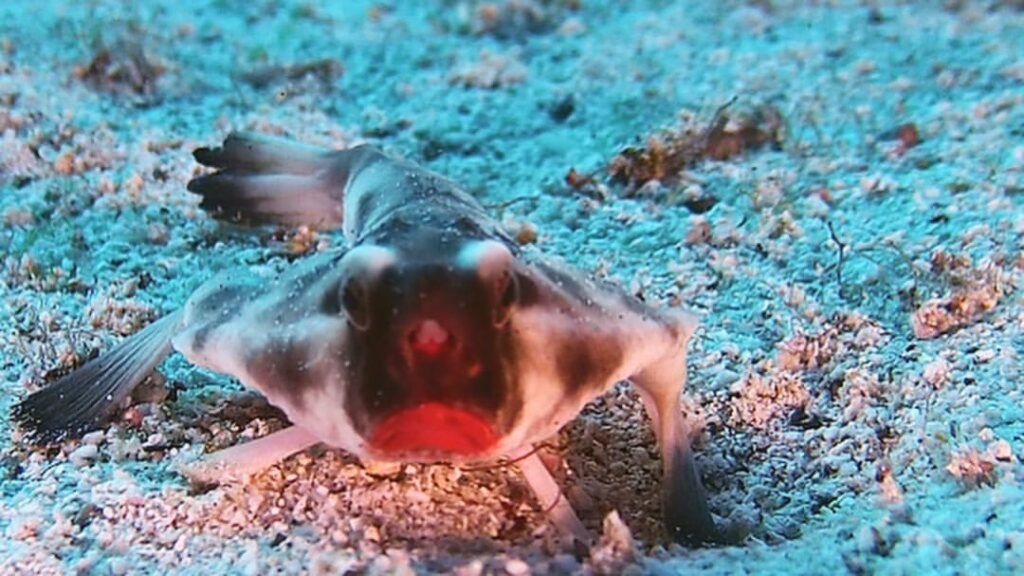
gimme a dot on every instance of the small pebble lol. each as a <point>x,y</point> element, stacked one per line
<point>96,437</point>
<point>118,566</point>
<point>1002,451</point>
<point>565,563</point>
<point>517,567</point>
<point>984,355</point>
<point>936,372</point>
<point>83,455</point>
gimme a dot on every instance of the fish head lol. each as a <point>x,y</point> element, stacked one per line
<point>430,374</point>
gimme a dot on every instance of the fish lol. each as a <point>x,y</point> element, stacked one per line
<point>431,335</point>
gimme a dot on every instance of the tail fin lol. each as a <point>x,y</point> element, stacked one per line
<point>261,179</point>
<point>260,153</point>
<point>81,400</point>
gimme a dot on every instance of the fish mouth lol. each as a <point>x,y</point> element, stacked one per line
<point>433,429</point>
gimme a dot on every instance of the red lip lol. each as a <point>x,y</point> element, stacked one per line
<point>433,428</point>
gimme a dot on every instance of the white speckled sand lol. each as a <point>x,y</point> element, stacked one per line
<point>858,369</point>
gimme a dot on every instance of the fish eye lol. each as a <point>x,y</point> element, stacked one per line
<point>507,292</point>
<point>355,302</point>
<point>361,269</point>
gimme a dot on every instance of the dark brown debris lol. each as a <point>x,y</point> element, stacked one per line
<point>517,19</point>
<point>325,71</point>
<point>906,136</point>
<point>577,180</point>
<point>700,204</point>
<point>960,5</point>
<point>746,130</point>
<point>122,68</point>
<point>668,153</point>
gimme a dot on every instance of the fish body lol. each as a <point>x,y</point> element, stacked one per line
<point>431,336</point>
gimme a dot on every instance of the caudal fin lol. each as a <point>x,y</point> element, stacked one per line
<point>261,179</point>
<point>259,153</point>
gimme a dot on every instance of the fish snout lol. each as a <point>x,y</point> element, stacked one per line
<point>428,338</point>
<point>437,357</point>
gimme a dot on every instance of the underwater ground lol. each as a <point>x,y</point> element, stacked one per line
<point>835,188</point>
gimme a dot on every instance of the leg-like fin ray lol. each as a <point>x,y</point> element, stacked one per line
<point>546,490</point>
<point>235,463</point>
<point>686,513</point>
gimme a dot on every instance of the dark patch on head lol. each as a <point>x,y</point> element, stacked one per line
<point>445,223</point>
<point>226,296</point>
<point>586,291</point>
<point>417,200</point>
<point>202,335</point>
<point>574,286</point>
<point>397,187</point>
<point>312,288</point>
<point>530,294</point>
<point>283,365</point>
<point>584,363</point>
<point>217,308</point>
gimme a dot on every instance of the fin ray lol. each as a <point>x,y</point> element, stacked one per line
<point>268,198</point>
<point>79,401</point>
<point>266,180</point>
<point>235,463</point>
<point>547,492</point>
<point>263,154</point>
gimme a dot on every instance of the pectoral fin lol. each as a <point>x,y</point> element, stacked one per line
<point>685,509</point>
<point>81,400</point>
<point>686,514</point>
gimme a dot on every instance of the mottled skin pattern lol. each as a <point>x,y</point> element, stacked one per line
<point>430,309</point>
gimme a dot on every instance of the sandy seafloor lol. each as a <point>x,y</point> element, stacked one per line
<point>839,434</point>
